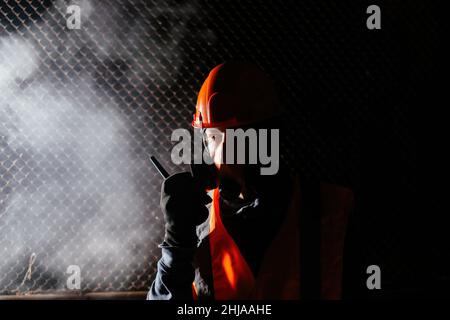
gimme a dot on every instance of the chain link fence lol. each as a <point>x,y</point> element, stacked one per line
<point>82,110</point>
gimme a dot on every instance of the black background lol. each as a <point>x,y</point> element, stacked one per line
<point>355,102</point>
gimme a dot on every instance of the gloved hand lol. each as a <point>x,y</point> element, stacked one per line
<point>183,202</point>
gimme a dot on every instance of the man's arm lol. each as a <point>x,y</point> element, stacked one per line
<point>183,205</point>
<point>174,276</point>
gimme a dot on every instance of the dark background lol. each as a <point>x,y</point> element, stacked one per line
<point>354,100</point>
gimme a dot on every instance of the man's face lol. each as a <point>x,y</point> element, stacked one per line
<point>215,141</point>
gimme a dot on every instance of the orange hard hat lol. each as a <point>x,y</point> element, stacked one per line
<point>235,94</point>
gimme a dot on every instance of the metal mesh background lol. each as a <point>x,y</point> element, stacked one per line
<point>81,110</point>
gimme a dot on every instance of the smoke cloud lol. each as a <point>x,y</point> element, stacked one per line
<point>72,167</point>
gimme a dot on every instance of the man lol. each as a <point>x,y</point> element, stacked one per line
<point>254,241</point>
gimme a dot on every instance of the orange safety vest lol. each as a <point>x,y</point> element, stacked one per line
<point>233,278</point>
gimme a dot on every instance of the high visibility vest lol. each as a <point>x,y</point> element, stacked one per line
<point>279,274</point>
<point>232,276</point>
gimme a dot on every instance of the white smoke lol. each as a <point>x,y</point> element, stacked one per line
<point>65,155</point>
